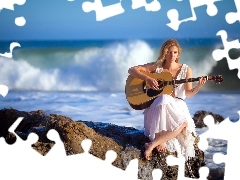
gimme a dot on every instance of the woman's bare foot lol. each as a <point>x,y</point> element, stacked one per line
<point>148,151</point>
<point>184,130</point>
<point>184,124</point>
<point>162,148</point>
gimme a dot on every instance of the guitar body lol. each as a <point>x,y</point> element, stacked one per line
<point>140,96</point>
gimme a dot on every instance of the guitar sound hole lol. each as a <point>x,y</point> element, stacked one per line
<point>152,92</point>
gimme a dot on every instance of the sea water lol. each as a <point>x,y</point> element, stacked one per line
<point>86,76</point>
<point>85,80</point>
<point>111,107</point>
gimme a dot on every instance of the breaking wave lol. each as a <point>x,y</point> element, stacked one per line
<point>88,69</point>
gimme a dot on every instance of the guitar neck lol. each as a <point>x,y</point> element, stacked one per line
<point>189,80</point>
<point>181,81</point>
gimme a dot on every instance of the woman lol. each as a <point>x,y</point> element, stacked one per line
<point>167,121</point>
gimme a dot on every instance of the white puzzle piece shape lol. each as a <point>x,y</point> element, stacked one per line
<point>9,4</point>
<point>102,12</point>
<point>180,162</point>
<point>153,6</point>
<point>12,46</point>
<point>229,131</point>
<point>218,54</point>
<point>56,165</point>
<point>173,14</point>
<point>232,17</point>
<point>3,90</point>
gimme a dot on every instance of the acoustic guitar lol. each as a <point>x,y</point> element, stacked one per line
<point>140,96</point>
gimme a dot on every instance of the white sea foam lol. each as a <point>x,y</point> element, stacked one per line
<point>86,69</point>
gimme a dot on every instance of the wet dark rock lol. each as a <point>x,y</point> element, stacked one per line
<point>200,115</point>
<point>127,142</point>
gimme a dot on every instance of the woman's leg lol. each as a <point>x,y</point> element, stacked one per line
<point>162,139</point>
<point>161,147</point>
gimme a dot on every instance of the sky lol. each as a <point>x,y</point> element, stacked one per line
<point>66,20</point>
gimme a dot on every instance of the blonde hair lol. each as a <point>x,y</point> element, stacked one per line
<point>164,49</point>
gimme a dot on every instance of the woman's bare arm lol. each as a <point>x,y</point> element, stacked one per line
<point>138,72</point>
<point>190,92</point>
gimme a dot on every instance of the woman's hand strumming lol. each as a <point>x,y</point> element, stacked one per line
<point>153,84</point>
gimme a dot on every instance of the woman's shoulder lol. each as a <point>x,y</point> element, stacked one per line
<point>151,67</point>
<point>188,70</point>
<point>148,67</point>
<point>185,66</point>
<point>147,64</point>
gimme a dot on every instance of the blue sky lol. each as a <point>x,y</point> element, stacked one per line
<point>61,19</point>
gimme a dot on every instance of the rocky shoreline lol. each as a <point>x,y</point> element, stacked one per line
<point>127,142</point>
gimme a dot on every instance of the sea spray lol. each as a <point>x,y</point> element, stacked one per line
<point>89,67</point>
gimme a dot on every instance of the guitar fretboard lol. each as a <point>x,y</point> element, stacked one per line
<point>187,80</point>
<point>166,83</point>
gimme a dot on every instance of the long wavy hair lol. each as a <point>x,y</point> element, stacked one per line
<point>164,49</point>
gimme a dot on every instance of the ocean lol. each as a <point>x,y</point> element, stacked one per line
<point>85,80</point>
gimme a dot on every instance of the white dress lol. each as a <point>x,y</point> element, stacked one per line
<point>167,113</point>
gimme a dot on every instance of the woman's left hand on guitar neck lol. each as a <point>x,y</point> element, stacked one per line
<point>201,82</point>
<point>190,92</point>
<point>193,91</point>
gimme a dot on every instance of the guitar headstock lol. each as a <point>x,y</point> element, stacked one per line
<point>217,79</point>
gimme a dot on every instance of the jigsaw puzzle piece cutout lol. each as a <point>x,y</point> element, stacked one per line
<point>153,6</point>
<point>173,14</point>
<point>203,143</point>
<point>11,137</point>
<point>131,172</point>
<point>103,169</point>
<point>8,134</point>
<point>219,54</point>
<point>3,90</point>
<point>9,4</point>
<point>57,155</point>
<point>231,159</point>
<point>110,156</point>
<point>86,145</point>
<point>58,148</point>
<point>219,158</point>
<point>180,162</point>
<point>157,174</point>
<point>232,17</point>
<point>15,158</point>
<point>102,12</point>
<point>220,131</point>
<point>21,157</point>
<point>213,132</point>
<point>216,131</point>
<point>12,46</point>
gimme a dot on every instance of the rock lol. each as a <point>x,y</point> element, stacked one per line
<point>200,115</point>
<point>214,174</point>
<point>127,142</point>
